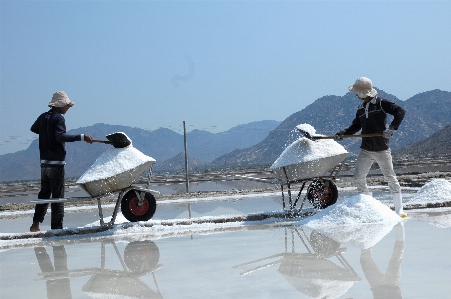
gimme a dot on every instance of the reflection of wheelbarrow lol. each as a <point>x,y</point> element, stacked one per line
<point>137,203</point>
<point>312,273</point>
<point>140,258</point>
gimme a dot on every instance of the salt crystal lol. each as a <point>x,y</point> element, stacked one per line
<point>307,128</point>
<point>113,162</point>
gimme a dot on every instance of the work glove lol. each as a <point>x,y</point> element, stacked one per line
<point>388,133</point>
<point>337,137</point>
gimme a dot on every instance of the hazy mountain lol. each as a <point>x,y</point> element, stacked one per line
<point>438,144</point>
<point>177,163</point>
<point>426,113</point>
<point>161,144</point>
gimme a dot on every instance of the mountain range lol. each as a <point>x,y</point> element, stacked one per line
<point>161,144</point>
<point>249,145</point>
<point>427,113</point>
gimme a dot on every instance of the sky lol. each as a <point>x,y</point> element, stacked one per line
<point>213,64</point>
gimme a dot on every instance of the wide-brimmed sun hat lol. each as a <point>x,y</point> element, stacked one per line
<point>363,87</point>
<point>60,99</point>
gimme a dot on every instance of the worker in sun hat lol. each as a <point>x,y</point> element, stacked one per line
<point>51,128</point>
<point>371,117</point>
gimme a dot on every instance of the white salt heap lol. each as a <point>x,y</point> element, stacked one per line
<point>357,209</point>
<point>360,221</point>
<point>435,191</point>
<point>306,150</point>
<point>114,162</point>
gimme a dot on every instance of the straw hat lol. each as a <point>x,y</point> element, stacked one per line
<point>60,99</point>
<point>363,87</point>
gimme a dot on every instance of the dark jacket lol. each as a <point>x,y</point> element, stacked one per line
<point>372,118</point>
<point>51,128</point>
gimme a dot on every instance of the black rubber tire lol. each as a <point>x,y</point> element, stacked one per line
<point>319,197</point>
<point>141,256</point>
<point>130,210</point>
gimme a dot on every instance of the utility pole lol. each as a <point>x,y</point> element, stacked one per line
<point>186,158</point>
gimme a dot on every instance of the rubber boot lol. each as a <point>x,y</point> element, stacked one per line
<point>397,200</point>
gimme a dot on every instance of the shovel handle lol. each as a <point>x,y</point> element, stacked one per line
<point>102,141</point>
<point>350,136</point>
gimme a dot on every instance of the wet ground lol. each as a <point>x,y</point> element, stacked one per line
<point>266,259</point>
<point>272,258</point>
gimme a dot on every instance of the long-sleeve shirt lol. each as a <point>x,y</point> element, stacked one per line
<point>51,127</point>
<point>371,117</point>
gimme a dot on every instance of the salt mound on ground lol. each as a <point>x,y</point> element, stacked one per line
<point>360,221</point>
<point>306,150</point>
<point>357,209</point>
<point>435,190</point>
<point>114,162</point>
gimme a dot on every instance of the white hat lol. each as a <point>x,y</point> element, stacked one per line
<point>60,99</point>
<point>363,87</point>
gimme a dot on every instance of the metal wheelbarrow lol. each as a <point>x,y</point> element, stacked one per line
<point>101,180</point>
<point>290,169</point>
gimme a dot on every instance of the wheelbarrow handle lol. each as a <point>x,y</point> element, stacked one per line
<point>349,136</point>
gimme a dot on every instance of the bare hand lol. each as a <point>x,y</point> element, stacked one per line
<point>88,139</point>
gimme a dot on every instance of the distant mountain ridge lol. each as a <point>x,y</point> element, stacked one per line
<point>438,144</point>
<point>427,112</point>
<point>251,145</point>
<point>161,144</point>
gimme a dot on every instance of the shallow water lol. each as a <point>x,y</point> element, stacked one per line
<point>256,261</point>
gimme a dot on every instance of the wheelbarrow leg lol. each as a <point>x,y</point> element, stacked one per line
<point>116,208</point>
<point>102,223</point>
<point>289,196</point>
<point>283,197</point>
<point>299,195</point>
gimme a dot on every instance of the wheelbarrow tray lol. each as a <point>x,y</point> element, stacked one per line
<point>115,183</point>
<point>307,170</point>
<point>115,170</point>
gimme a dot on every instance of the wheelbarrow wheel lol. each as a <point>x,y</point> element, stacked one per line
<point>134,212</point>
<point>322,193</point>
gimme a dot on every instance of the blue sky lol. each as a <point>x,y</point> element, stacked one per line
<point>213,64</point>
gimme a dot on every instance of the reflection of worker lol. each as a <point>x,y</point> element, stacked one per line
<point>385,285</point>
<point>371,117</point>
<point>51,128</point>
<point>56,287</point>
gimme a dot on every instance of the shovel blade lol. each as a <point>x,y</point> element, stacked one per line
<point>119,139</point>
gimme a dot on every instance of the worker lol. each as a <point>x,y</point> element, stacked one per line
<point>51,128</point>
<point>371,117</point>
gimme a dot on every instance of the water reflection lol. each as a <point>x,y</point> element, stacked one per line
<point>385,285</point>
<point>313,263</point>
<point>139,258</point>
<point>318,270</point>
<point>55,275</point>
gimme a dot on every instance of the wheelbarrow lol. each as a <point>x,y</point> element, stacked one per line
<point>306,161</point>
<point>115,171</point>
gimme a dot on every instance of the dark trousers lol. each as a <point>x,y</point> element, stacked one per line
<point>52,184</point>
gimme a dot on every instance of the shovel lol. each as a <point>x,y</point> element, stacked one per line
<point>314,138</point>
<point>118,140</point>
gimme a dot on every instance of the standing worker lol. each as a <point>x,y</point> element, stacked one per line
<point>371,117</point>
<point>51,128</point>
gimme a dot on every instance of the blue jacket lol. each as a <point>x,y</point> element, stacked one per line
<point>372,118</point>
<point>51,127</point>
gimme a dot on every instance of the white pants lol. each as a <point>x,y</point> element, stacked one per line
<point>363,165</point>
